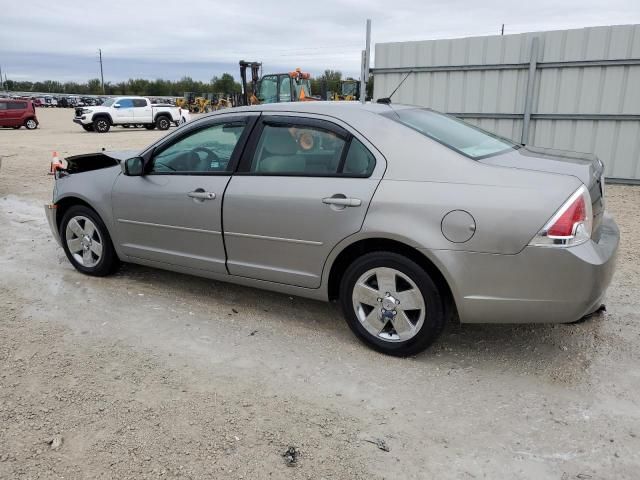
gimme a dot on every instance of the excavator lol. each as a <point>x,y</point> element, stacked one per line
<point>293,86</point>
<point>349,91</point>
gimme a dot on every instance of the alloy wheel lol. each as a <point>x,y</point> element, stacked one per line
<point>388,304</point>
<point>84,241</point>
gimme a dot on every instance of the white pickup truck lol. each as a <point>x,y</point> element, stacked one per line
<point>129,112</point>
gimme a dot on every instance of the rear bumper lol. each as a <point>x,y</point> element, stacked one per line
<point>537,285</point>
<point>50,211</point>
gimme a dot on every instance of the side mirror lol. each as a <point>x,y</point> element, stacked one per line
<point>116,105</point>
<point>133,167</point>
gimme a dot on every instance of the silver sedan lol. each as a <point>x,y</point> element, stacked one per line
<point>406,216</point>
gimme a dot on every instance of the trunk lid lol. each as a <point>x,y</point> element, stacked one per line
<point>584,166</point>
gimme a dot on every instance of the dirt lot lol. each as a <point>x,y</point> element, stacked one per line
<point>150,374</point>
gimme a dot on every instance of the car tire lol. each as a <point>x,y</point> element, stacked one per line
<point>101,125</point>
<point>374,290</point>
<point>163,122</point>
<point>87,243</point>
<point>125,126</point>
<point>31,124</point>
<point>88,128</point>
<point>150,126</point>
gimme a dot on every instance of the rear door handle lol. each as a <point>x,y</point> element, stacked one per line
<point>342,201</point>
<point>202,195</point>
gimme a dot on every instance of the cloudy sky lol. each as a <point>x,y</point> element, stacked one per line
<point>59,40</point>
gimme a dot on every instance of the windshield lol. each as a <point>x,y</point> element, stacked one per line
<point>453,133</point>
<point>349,88</point>
<point>108,102</point>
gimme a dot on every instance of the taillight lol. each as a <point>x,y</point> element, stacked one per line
<point>570,225</point>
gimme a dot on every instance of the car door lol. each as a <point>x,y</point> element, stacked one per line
<point>303,185</point>
<point>142,111</point>
<point>124,110</point>
<point>172,214</point>
<point>3,114</point>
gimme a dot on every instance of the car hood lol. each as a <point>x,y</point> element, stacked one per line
<point>585,166</point>
<point>96,161</point>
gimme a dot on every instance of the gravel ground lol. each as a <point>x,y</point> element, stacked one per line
<point>152,374</point>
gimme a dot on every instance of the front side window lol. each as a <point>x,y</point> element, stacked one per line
<point>466,139</point>
<point>268,89</point>
<point>286,149</point>
<point>285,89</point>
<point>208,150</point>
<point>126,103</point>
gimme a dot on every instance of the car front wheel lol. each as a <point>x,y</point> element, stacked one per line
<point>86,242</point>
<point>101,125</point>
<point>391,303</point>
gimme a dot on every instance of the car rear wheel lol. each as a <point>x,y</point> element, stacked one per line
<point>101,125</point>
<point>163,123</point>
<point>31,124</point>
<point>86,242</point>
<point>391,303</point>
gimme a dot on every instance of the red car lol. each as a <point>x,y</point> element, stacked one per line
<point>17,113</point>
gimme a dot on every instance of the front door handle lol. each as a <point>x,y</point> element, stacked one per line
<point>342,201</point>
<point>202,195</point>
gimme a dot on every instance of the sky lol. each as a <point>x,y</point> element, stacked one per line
<point>59,40</point>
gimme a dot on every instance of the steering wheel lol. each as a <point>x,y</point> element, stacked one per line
<point>211,155</point>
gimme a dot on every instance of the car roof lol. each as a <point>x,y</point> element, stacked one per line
<point>347,111</point>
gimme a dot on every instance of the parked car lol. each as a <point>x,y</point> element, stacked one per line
<point>129,111</point>
<point>18,113</point>
<point>404,215</point>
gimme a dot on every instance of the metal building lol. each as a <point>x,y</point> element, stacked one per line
<point>571,89</point>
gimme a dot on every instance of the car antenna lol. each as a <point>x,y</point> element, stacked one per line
<point>387,100</point>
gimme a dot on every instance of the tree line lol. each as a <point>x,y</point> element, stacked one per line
<point>224,84</point>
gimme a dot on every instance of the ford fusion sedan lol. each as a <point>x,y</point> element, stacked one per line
<point>405,216</point>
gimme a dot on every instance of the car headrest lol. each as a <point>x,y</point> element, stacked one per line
<point>280,142</point>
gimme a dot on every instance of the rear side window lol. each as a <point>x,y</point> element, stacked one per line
<point>138,102</point>
<point>466,139</point>
<point>297,150</point>
<point>3,106</point>
<point>126,103</point>
<point>307,150</point>
<point>359,160</point>
<point>16,105</point>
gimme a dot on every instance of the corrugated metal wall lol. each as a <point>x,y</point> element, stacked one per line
<point>585,92</point>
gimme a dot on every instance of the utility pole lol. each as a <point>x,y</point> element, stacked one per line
<point>502,31</point>
<point>366,55</point>
<point>101,73</point>
<point>1,80</point>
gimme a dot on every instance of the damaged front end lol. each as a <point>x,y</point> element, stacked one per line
<point>90,162</point>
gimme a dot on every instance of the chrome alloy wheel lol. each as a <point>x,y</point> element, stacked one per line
<point>84,241</point>
<point>388,304</point>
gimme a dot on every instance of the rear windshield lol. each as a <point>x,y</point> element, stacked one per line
<point>466,139</point>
